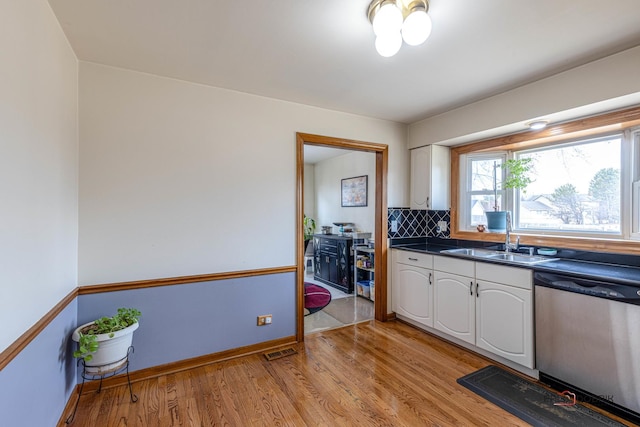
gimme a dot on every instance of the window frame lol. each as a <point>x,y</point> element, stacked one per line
<point>614,122</point>
<point>624,143</point>
<point>466,178</point>
<point>634,208</point>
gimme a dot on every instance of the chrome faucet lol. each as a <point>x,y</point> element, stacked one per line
<point>507,244</point>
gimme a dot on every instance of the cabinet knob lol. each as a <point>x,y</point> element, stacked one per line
<point>430,281</point>
<point>471,288</point>
<point>477,290</point>
<point>413,259</point>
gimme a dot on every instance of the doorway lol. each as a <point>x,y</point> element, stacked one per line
<point>380,220</point>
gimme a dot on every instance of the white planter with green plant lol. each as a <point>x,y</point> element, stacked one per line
<point>104,343</point>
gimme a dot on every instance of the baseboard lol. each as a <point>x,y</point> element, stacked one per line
<point>183,365</point>
<point>171,368</point>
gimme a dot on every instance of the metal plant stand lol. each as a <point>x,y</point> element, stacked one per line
<point>120,366</point>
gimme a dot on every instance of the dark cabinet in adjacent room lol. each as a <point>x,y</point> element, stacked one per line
<point>333,261</point>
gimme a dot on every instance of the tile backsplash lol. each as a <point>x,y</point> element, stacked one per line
<point>433,218</point>
<point>416,223</point>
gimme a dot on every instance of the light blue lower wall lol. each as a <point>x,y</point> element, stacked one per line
<point>178,322</point>
<point>35,386</point>
<point>184,321</point>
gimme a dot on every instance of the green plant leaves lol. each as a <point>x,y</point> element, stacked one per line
<point>517,170</point>
<point>87,345</point>
<point>88,341</point>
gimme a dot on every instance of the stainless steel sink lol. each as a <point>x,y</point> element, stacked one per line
<point>499,256</point>
<point>520,258</point>
<point>472,252</point>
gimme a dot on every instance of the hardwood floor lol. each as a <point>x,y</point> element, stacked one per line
<point>368,374</point>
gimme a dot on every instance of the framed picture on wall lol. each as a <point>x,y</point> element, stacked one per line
<point>354,191</point>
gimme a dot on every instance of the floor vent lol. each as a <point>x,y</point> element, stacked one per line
<point>280,353</point>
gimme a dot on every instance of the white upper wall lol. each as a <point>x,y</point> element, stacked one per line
<point>328,177</point>
<point>599,86</point>
<point>179,178</point>
<point>38,166</point>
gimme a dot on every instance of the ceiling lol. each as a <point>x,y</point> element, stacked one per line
<point>321,53</point>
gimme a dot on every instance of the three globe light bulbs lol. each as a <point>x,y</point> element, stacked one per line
<point>397,20</point>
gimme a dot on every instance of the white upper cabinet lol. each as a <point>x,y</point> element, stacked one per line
<point>430,177</point>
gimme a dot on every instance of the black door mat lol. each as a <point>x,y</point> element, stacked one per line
<point>530,402</point>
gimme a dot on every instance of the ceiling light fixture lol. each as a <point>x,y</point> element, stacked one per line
<point>397,20</point>
<point>538,124</point>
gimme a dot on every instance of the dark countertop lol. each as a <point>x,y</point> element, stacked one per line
<point>628,275</point>
<point>333,236</point>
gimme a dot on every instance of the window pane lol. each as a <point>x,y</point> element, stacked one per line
<point>482,174</point>
<point>481,203</point>
<point>576,188</point>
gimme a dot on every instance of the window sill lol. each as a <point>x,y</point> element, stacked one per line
<point>581,243</point>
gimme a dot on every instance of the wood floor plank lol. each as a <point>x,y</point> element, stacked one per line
<point>369,374</point>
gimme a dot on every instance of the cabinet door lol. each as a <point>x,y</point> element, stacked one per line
<point>332,268</point>
<point>455,306</point>
<point>420,178</point>
<point>344,265</point>
<point>413,293</point>
<point>504,322</point>
<point>317,261</point>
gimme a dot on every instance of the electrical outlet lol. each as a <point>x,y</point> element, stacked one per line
<point>264,320</point>
<point>394,225</point>
<point>443,226</point>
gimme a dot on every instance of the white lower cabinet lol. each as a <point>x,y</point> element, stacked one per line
<point>504,313</point>
<point>486,305</point>
<point>412,292</point>
<point>454,306</point>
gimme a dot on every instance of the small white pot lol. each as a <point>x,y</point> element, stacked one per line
<point>112,350</point>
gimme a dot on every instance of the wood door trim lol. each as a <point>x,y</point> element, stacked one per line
<point>381,152</point>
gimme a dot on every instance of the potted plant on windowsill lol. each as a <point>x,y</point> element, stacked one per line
<point>516,177</point>
<point>309,228</point>
<point>104,343</point>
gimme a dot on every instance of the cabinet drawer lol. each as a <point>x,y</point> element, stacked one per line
<point>457,266</point>
<point>512,276</point>
<point>329,247</point>
<point>414,258</point>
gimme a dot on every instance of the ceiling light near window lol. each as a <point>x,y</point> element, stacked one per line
<point>395,20</point>
<point>538,124</point>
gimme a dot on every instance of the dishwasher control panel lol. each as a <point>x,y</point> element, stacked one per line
<point>616,291</point>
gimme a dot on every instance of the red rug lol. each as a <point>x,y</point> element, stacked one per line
<point>315,298</point>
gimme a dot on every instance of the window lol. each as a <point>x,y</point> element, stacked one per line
<point>575,188</point>
<point>479,181</point>
<point>585,192</point>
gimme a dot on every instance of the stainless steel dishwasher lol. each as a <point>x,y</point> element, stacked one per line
<point>588,340</point>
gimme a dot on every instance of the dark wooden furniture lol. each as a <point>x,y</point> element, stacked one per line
<point>333,257</point>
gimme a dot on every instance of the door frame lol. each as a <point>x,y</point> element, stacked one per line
<point>381,152</point>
